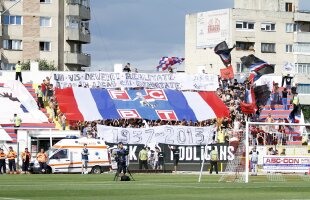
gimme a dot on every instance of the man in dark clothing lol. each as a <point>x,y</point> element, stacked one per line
<point>127,68</point>
<point>176,156</point>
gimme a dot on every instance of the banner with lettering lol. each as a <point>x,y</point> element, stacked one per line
<point>174,135</point>
<point>177,81</point>
<point>286,164</point>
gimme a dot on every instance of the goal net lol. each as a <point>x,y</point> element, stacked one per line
<point>273,151</point>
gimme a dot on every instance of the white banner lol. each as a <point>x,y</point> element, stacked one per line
<point>174,135</point>
<point>26,99</point>
<point>286,164</point>
<point>178,81</point>
<point>212,27</point>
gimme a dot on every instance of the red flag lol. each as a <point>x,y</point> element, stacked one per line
<point>247,108</point>
<point>227,73</point>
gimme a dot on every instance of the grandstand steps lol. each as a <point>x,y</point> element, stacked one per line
<point>9,128</point>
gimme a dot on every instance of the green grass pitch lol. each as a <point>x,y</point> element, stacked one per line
<point>149,186</point>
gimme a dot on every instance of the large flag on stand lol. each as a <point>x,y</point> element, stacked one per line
<point>224,52</point>
<point>92,104</point>
<point>257,65</point>
<point>249,106</point>
<point>263,92</point>
<point>227,73</point>
<point>166,62</point>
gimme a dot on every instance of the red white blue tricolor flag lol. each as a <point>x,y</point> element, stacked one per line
<point>92,104</point>
<point>166,62</point>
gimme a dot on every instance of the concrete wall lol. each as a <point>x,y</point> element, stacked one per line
<point>271,5</point>
<point>28,76</point>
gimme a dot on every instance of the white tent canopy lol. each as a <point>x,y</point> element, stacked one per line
<point>4,136</point>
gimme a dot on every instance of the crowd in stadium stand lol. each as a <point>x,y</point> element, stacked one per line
<point>231,92</point>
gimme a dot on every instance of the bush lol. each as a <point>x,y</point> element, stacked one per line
<point>43,65</point>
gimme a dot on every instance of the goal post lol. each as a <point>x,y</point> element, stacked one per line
<point>274,151</point>
<point>247,142</point>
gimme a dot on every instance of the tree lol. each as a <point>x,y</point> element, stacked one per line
<point>43,65</point>
<point>306,111</point>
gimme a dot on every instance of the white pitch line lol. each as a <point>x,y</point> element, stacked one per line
<point>160,185</point>
<point>7,198</point>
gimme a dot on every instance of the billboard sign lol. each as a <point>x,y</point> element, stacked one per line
<point>213,27</point>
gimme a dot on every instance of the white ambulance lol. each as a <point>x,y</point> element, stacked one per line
<point>66,156</point>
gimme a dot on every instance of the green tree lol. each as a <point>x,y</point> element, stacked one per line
<point>26,65</point>
<point>306,111</point>
<point>43,65</point>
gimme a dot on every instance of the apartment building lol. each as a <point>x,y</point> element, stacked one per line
<point>276,31</point>
<point>54,30</point>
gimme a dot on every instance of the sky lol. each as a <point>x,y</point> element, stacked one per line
<point>142,31</point>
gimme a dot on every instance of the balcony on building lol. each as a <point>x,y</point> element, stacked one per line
<point>302,16</point>
<point>77,58</point>
<point>77,30</point>
<point>79,8</point>
<point>302,31</point>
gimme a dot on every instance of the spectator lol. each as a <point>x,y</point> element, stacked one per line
<point>52,105</point>
<point>18,72</point>
<point>11,158</point>
<point>42,159</point>
<point>127,68</point>
<point>150,156</point>
<point>284,99</point>
<point>283,153</point>
<point>39,94</point>
<point>176,156</point>
<point>2,162</point>
<point>50,91</point>
<point>26,160</point>
<point>17,122</point>
<point>63,121</point>
<point>157,159</point>
<point>143,158</point>
<point>43,87</point>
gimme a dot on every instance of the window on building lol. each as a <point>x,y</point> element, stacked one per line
<point>301,48</point>
<point>73,22</point>
<point>45,21</point>
<point>290,27</point>
<point>12,44</point>
<point>12,20</point>
<point>289,7</point>
<point>241,25</point>
<point>303,89</point>
<point>268,47</point>
<point>241,68</point>
<point>289,48</point>
<point>268,27</point>
<point>8,66</point>
<point>45,1</point>
<point>45,46</point>
<point>302,68</point>
<point>245,45</point>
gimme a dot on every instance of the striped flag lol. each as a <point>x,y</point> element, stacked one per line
<point>257,65</point>
<point>166,62</point>
<point>224,52</point>
<point>87,104</point>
